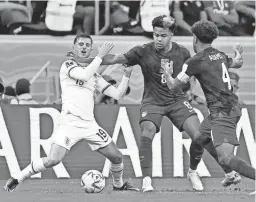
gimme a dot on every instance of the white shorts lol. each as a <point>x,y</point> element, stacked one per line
<point>68,135</point>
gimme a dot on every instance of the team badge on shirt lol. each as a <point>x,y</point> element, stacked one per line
<point>144,114</point>
<point>163,64</point>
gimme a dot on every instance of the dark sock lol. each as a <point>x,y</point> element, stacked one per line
<point>145,153</point>
<point>242,167</point>
<point>211,149</point>
<point>196,151</point>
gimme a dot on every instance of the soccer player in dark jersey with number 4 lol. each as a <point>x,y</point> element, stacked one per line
<point>157,101</point>
<point>210,67</point>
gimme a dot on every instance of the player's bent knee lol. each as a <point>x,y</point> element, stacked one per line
<point>224,159</point>
<point>116,159</point>
<point>200,139</point>
<point>148,129</point>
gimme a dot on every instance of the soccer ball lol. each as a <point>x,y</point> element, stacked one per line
<point>93,181</point>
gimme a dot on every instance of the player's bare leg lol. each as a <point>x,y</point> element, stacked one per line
<point>56,155</point>
<point>145,152</point>
<point>191,126</point>
<point>226,157</point>
<point>231,176</point>
<point>116,158</point>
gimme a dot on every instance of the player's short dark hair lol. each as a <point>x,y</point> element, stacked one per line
<point>206,31</point>
<point>164,22</point>
<point>83,35</point>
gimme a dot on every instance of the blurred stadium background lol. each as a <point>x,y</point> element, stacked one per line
<point>35,36</point>
<point>25,56</point>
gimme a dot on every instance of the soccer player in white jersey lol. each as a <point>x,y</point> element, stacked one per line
<point>79,82</point>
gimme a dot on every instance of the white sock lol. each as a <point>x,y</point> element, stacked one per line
<point>147,179</point>
<point>191,170</point>
<point>117,174</point>
<point>230,174</point>
<point>33,168</point>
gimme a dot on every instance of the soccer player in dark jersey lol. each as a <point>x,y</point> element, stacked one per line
<point>157,100</point>
<point>210,67</point>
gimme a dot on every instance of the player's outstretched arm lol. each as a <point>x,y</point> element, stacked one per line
<point>85,74</point>
<point>109,59</point>
<point>237,60</point>
<point>119,92</point>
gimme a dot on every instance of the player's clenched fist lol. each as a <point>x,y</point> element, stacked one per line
<point>105,49</point>
<point>128,71</point>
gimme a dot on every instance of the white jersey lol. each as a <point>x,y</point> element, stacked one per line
<point>78,95</point>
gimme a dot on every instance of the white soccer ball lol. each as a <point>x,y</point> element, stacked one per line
<point>93,181</point>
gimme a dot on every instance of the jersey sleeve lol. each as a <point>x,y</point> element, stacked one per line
<point>102,83</point>
<point>133,55</point>
<point>190,67</point>
<point>67,66</point>
<point>74,71</point>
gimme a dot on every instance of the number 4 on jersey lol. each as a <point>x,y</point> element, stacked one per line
<point>225,76</point>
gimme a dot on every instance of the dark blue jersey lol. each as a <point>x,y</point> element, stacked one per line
<point>151,61</point>
<point>210,67</point>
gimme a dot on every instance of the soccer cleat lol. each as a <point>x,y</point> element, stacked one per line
<point>126,187</point>
<point>146,185</point>
<point>235,179</point>
<point>194,178</point>
<point>11,184</point>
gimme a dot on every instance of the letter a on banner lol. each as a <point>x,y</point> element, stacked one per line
<point>123,123</point>
<point>36,142</point>
<point>7,150</point>
<point>244,125</point>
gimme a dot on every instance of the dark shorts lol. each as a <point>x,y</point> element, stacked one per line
<point>177,112</point>
<point>221,127</point>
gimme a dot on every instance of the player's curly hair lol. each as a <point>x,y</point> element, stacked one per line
<point>164,22</point>
<point>83,35</point>
<point>206,31</point>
